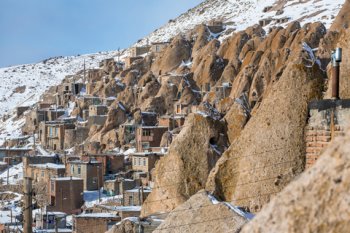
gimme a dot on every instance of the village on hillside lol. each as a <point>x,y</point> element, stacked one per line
<point>81,184</point>
<point>214,130</point>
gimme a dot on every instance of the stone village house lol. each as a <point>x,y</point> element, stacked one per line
<point>90,172</point>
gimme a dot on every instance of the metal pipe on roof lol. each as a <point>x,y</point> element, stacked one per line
<point>336,60</point>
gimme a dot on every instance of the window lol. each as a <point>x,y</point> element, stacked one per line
<point>146,132</point>
<point>79,170</point>
<point>94,180</point>
<point>50,131</point>
<point>56,132</point>
<point>144,161</point>
<point>145,145</point>
<point>139,161</point>
<point>135,161</point>
<point>52,186</point>
<point>131,201</point>
<point>178,109</point>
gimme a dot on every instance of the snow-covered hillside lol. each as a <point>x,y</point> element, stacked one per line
<point>24,84</point>
<point>240,14</point>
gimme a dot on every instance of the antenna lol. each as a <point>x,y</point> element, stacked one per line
<point>84,70</point>
<point>118,54</point>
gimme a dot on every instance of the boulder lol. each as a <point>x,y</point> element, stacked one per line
<point>203,213</point>
<point>115,117</point>
<point>125,226</point>
<point>342,21</point>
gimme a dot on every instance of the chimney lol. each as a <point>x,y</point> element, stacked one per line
<point>336,60</point>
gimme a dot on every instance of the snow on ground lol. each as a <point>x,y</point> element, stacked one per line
<point>240,14</point>
<point>10,128</point>
<point>91,198</point>
<point>7,206</point>
<point>39,77</point>
<point>15,174</point>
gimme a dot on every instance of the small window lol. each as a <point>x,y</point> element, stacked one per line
<point>52,186</point>
<point>144,161</point>
<point>79,170</point>
<point>146,132</point>
<point>145,145</point>
<point>94,180</point>
<point>139,161</point>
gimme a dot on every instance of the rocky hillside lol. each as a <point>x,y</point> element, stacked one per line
<point>240,14</point>
<point>23,85</point>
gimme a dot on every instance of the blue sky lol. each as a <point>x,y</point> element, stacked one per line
<point>32,30</point>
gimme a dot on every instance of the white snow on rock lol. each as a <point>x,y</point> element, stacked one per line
<point>38,77</point>
<point>242,213</point>
<point>15,174</point>
<point>240,14</point>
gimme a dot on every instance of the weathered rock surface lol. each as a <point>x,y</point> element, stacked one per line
<point>270,151</point>
<point>342,21</point>
<point>203,213</point>
<point>125,226</point>
<point>178,51</point>
<point>318,201</point>
<point>184,170</point>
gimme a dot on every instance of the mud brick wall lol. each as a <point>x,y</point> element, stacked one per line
<point>317,139</point>
<point>327,120</point>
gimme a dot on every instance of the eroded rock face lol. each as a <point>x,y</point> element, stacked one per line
<point>184,170</point>
<point>207,66</point>
<point>115,117</point>
<point>125,226</point>
<point>342,21</point>
<point>178,51</point>
<point>202,213</point>
<point>318,201</point>
<point>236,119</point>
<point>269,153</point>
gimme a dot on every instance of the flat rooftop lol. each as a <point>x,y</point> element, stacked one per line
<point>49,166</point>
<point>329,103</point>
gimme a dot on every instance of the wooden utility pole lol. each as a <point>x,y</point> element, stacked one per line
<point>8,165</point>
<point>98,184</point>
<point>142,196</point>
<point>56,224</point>
<point>84,71</point>
<point>34,145</point>
<point>71,195</point>
<point>8,175</point>
<point>28,218</point>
